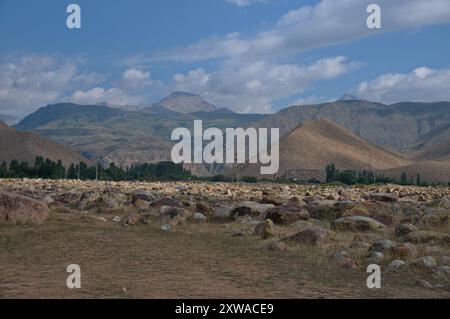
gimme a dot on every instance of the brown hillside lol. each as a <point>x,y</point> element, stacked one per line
<point>429,171</point>
<point>24,147</point>
<point>438,151</point>
<point>315,144</point>
<point>434,147</point>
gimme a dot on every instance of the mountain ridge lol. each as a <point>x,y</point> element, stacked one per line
<point>25,147</point>
<point>314,144</point>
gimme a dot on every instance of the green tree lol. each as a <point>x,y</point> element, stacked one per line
<point>404,178</point>
<point>72,172</point>
<point>332,173</point>
<point>14,167</point>
<point>3,169</point>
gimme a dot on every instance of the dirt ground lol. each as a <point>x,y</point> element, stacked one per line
<point>194,261</point>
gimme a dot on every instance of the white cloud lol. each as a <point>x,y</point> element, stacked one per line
<point>255,86</point>
<point>421,85</point>
<point>136,79</point>
<point>31,82</point>
<point>113,96</point>
<point>326,23</point>
<point>89,79</point>
<point>134,88</point>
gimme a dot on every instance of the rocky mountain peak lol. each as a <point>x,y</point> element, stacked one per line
<point>184,102</point>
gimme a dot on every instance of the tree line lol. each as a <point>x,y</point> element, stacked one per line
<point>48,169</point>
<point>351,177</point>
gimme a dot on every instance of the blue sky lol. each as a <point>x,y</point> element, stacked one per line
<point>248,55</point>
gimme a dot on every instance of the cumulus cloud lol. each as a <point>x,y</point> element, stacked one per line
<point>29,82</point>
<point>113,96</point>
<point>86,80</point>
<point>136,79</point>
<point>33,81</point>
<point>134,88</point>
<point>255,86</point>
<point>421,85</point>
<point>326,23</point>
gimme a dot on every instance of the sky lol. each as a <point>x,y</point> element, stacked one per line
<point>252,56</point>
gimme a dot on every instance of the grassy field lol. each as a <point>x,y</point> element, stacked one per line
<point>195,261</point>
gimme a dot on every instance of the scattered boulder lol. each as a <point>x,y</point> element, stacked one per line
<point>384,197</point>
<point>143,196</point>
<point>204,208</point>
<point>132,219</point>
<point>357,224</point>
<point>265,229</point>
<point>314,236</point>
<point>101,203</point>
<point>382,245</point>
<point>376,257</point>
<point>272,199</point>
<point>141,205</point>
<point>249,208</point>
<point>117,219</point>
<point>323,210</point>
<point>165,202</point>
<point>17,209</point>
<point>287,214</point>
<point>397,265</point>
<point>405,229</point>
<point>425,262</point>
<point>199,218</point>
<point>406,252</point>
<point>423,236</point>
<point>349,263</point>
<point>170,214</point>
<point>442,272</point>
<point>382,212</point>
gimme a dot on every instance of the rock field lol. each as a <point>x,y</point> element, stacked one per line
<point>400,227</point>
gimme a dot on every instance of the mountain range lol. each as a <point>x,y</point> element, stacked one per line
<point>354,134</point>
<point>398,126</point>
<point>125,137</point>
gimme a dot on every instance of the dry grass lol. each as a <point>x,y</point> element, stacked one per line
<point>195,261</point>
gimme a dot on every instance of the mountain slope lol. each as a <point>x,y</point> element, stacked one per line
<point>309,148</point>
<point>24,147</point>
<point>434,146</point>
<point>315,144</point>
<point>429,171</point>
<point>394,126</point>
<point>68,112</point>
<point>112,135</point>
